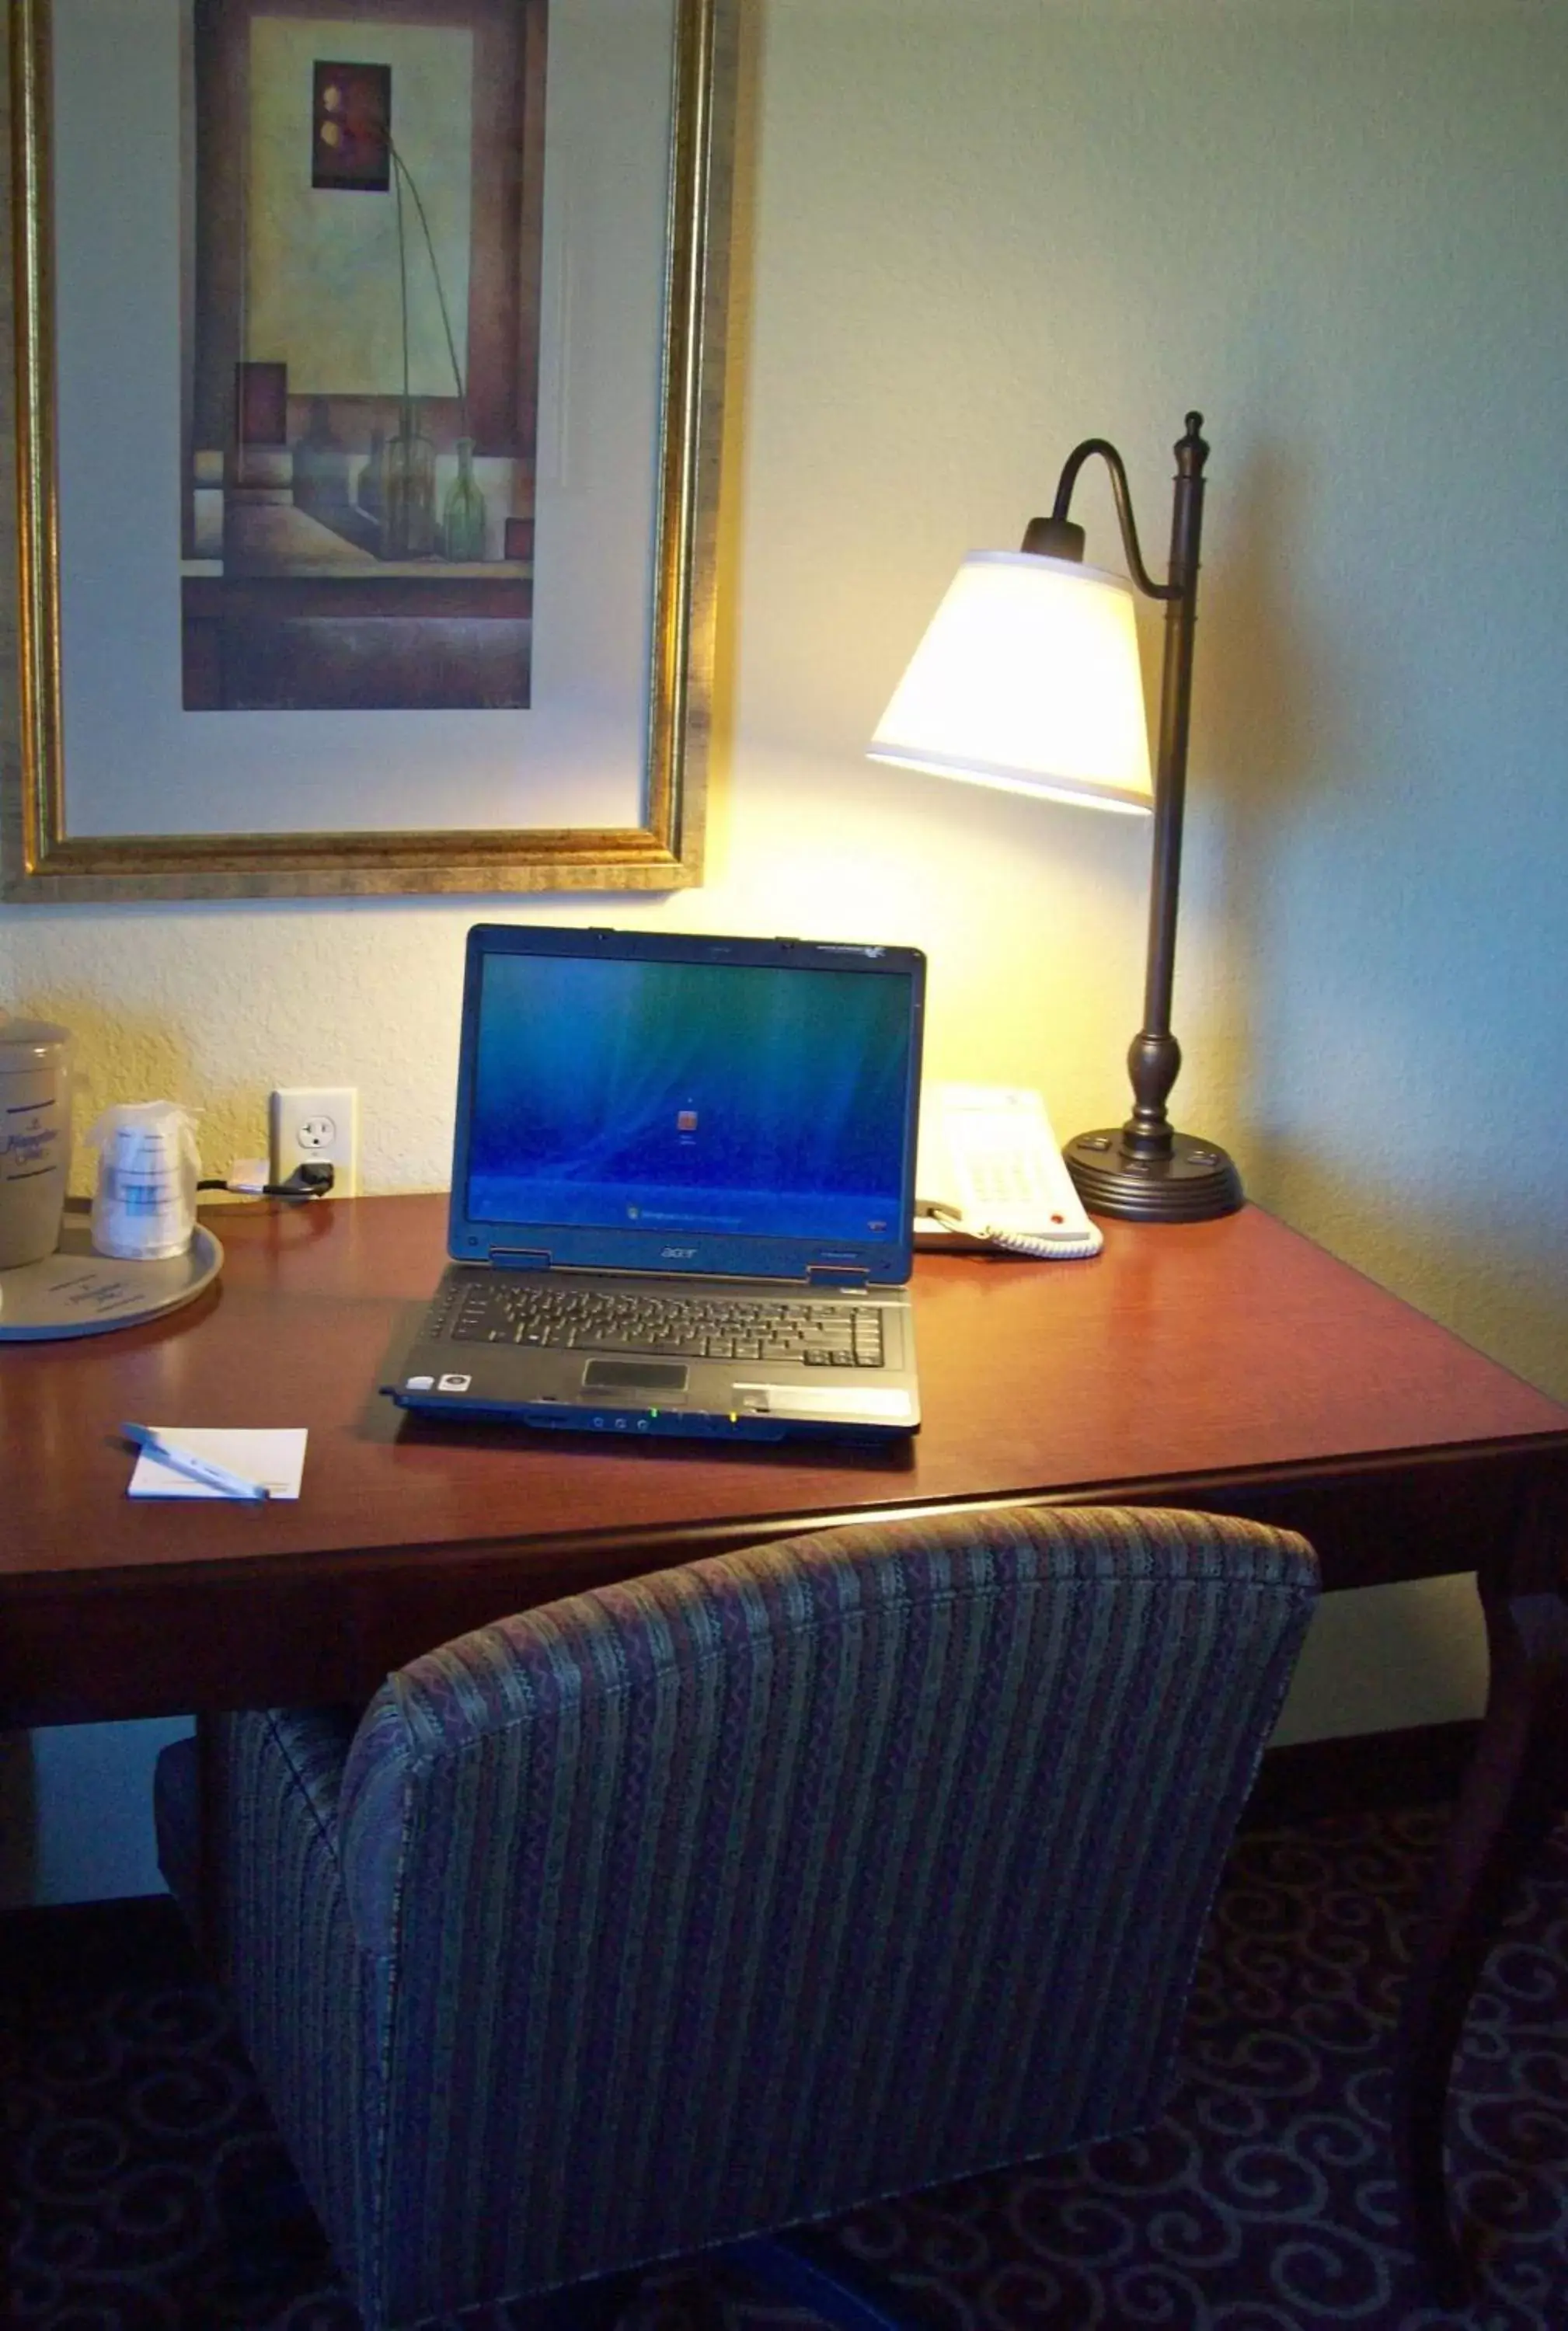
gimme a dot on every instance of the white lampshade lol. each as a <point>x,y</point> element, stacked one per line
<point>1028,678</point>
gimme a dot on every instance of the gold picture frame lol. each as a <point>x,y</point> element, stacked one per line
<point>43,859</point>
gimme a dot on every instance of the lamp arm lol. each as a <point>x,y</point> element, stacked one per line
<point>1058,536</point>
<point>1145,1171</point>
<point>1155,1057</point>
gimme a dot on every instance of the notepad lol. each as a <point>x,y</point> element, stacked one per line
<point>273,1456</point>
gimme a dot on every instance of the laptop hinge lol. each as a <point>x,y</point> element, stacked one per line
<point>836,1274</point>
<point>520,1258</point>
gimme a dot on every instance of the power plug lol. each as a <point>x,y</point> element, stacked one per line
<point>315,1125</point>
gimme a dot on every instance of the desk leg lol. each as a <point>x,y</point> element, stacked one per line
<point>1511,1794</point>
<point>10,2200</point>
<point>10,2183</point>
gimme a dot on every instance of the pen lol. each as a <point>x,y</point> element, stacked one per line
<point>198,1469</point>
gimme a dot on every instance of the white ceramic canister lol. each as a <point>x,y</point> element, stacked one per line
<point>34,1138</point>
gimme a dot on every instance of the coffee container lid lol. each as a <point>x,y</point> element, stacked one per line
<point>29,1036</point>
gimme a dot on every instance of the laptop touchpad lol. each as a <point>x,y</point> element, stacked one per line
<point>634,1375</point>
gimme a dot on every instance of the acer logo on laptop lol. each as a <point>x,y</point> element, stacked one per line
<point>677,1254</point>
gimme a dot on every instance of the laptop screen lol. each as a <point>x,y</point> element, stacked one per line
<point>688,1088</point>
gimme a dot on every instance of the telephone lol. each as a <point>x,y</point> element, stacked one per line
<point>995,1177</point>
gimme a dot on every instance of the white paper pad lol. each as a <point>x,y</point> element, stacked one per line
<point>276,1458</point>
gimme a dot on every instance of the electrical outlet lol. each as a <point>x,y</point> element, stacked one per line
<point>314,1125</point>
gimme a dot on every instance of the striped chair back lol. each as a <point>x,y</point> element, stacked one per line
<point>738,1894</point>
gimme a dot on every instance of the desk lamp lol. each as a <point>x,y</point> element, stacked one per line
<point>1028,678</point>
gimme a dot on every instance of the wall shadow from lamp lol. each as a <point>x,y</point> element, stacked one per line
<point>1281,749</point>
<point>1028,678</point>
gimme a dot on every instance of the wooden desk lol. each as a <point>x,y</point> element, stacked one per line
<point>1231,1366</point>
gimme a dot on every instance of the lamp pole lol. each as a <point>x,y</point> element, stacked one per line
<point>1144,1170</point>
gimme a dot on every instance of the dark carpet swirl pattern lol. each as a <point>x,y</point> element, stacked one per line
<point>1263,2202</point>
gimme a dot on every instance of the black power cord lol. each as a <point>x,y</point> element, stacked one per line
<point>307,1181</point>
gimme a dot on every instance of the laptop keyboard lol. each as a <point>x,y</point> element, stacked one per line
<point>816,1334</point>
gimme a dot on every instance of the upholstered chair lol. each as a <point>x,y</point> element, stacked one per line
<point>720,1901</point>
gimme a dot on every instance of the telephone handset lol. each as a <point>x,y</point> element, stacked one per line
<point>995,1177</point>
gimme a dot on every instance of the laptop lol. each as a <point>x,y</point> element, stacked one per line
<point>682,1188</point>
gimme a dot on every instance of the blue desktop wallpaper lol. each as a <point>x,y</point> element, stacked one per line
<point>676,1097</point>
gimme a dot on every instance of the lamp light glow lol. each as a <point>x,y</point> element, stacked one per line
<point>1028,678</point>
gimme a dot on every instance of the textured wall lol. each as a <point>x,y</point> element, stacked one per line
<point>968,238</point>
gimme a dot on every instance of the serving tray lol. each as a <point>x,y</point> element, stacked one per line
<point>75,1292</point>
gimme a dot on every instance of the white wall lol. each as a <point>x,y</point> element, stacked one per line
<point>970,236</point>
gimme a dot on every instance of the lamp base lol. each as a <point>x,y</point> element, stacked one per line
<point>1194,1183</point>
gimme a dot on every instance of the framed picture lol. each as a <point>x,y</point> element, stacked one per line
<point>368,367</point>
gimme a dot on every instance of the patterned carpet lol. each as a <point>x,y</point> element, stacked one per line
<point>1263,2202</point>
